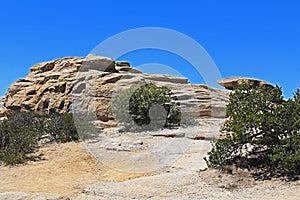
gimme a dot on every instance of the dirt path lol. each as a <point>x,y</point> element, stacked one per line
<point>69,172</point>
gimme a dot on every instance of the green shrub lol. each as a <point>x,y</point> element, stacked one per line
<point>262,132</point>
<point>19,136</point>
<point>286,153</point>
<point>61,128</point>
<point>133,107</point>
<point>20,133</point>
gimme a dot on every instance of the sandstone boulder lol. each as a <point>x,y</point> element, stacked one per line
<point>124,66</point>
<point>230,83</point>
<point>99,63</point>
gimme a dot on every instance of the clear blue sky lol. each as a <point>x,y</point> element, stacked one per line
<point>254,38</point>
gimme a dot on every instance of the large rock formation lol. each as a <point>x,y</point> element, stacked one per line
<point>51,86</point>
<point>89,84</point>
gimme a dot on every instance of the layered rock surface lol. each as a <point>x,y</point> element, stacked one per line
<point>87,85</point>
<point>230,83</point>
<point>46,88</point>
<point>52,86</point>
<point>2,107</point>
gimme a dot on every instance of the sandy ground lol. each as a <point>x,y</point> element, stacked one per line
<point>68,171</point>
<point>65,168</point>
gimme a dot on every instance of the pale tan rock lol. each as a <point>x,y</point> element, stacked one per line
<point>230,83</point>
<point>53,86</point>
<point>99,63</point>
<point>124,66</point>
<point>46,88</point>
<point>3,110</point>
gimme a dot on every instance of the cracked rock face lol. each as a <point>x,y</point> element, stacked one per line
<point>50,86</point>
<point>46,88</point>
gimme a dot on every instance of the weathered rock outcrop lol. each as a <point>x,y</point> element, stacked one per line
<point>2,107</point>
<point>230,83</point>
<point>51,86</point>
<point>46,88</point>
<point>54,86</point>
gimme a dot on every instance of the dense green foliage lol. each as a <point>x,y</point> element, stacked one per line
<point>262,132</point>
<point>21,132</point>
<point>135,106</point>
<point>18,137</point>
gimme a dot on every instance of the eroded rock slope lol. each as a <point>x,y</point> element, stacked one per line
<point>51,87</point>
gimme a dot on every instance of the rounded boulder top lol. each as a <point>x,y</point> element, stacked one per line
<point>230,83</point>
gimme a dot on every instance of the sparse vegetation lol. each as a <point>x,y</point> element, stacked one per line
<point>61,128</point>
<point>262,133</point>
<point>21,132</point>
